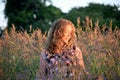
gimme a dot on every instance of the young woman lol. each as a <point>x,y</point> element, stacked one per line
<point>61,58</point>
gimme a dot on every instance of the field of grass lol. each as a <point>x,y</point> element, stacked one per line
<point>19,52</point>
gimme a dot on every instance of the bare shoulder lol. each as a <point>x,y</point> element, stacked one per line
<point>77,49</point>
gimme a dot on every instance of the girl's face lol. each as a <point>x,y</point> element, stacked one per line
<point>67,33</point>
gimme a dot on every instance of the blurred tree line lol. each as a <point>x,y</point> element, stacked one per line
<point>96,12</point>
<point>23,13</point>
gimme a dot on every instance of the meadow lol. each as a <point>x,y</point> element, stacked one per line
<point>19,51</point>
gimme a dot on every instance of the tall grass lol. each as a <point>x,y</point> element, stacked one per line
<point>19,52</point>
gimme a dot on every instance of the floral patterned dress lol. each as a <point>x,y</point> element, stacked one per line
<point>64,66</point>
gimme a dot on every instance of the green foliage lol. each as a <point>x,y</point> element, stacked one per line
<point>103,13</point>
<point>23,13</point>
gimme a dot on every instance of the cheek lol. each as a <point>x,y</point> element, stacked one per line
<point>69,36</point>
<point>66,39</point>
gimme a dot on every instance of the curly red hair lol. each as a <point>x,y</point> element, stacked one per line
<point>54,42</point>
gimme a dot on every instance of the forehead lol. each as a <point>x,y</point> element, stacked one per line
<point>66,28</point>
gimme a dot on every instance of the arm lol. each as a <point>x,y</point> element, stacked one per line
<point>80,59</point>
<point>42,68</point>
